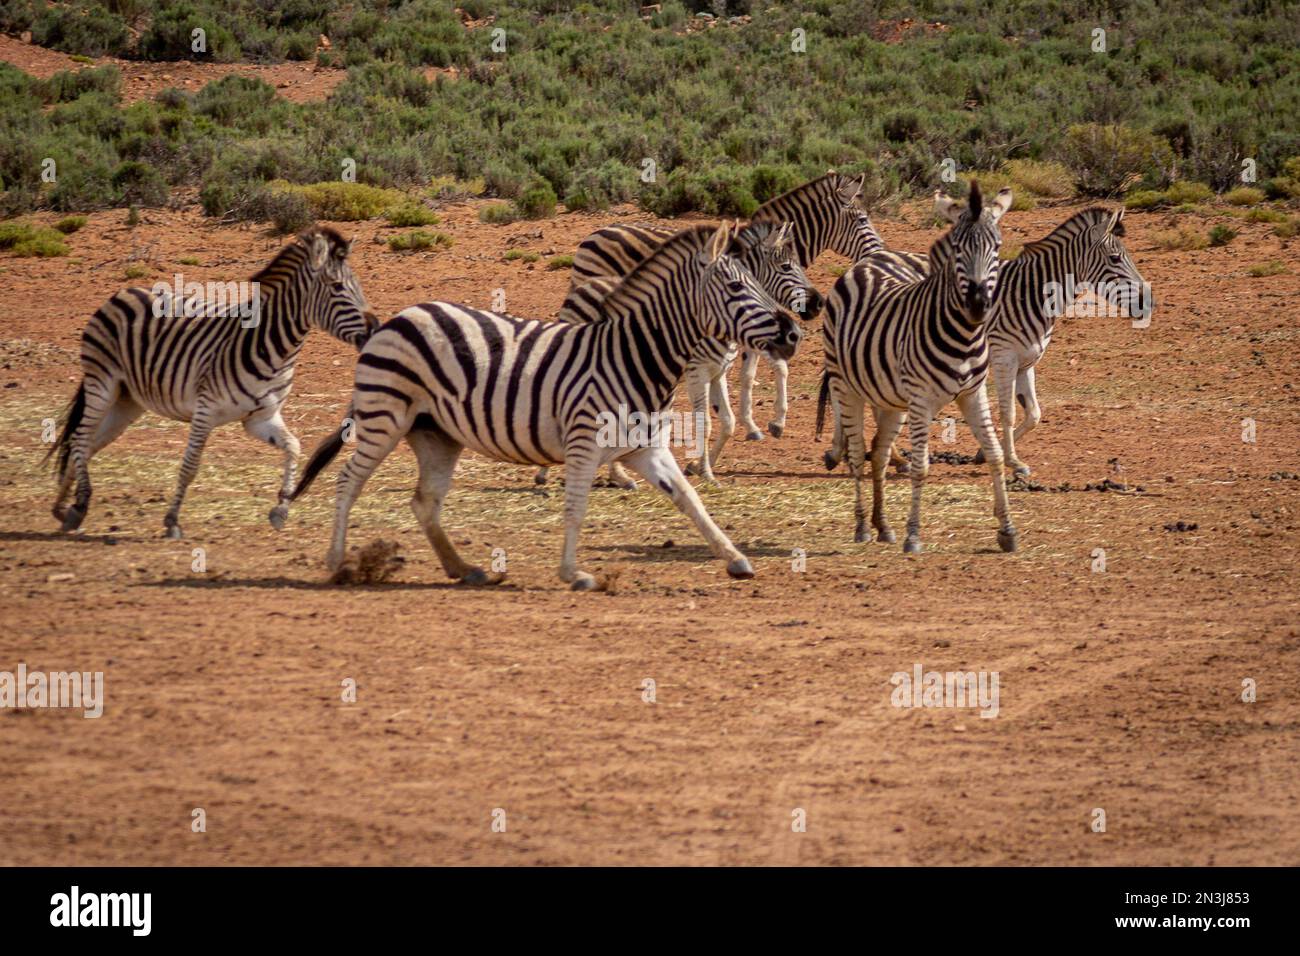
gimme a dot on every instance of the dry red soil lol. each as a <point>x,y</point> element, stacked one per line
<point>1119,690</point>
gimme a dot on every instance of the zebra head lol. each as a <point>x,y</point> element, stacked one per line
<point>1111,270</point>
<point>335,302</point>
<point>736,308</point>
<point>852,233</point>
<point>969,252</point>
<point>768,251</point>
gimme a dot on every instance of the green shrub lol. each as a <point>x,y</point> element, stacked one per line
<point>139,184</point>
<point>499,213</point>
<point>449,187</point>
<point>1274,267</point>
<point>515,255</point>
<point>610,183</point>
<point>25,240</point>
<point>1244,196</point>
<point>1144,199</point>
<point>411,214</point>
<point>70,224</point>
<point>419,239</point>
<point>1183,238</point>
<point>1222,235</point>
<point>81,27</point>
<point>1108,159</point>
<point>1288,228</point>
<point>288,211</point>
<point>560,262</point>
<point>768,182</point>
<point>171,36</point>
<point>538,200</point>
<point>66,85</point>
<point>336,201</point>
<point>1182,192</point>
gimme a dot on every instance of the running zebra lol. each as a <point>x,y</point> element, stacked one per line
<point>446,377</point>
<point>767,251</point>
<point>907,348</point>
<point>1086,252</point>
<point>825,213</point>
<point>207,364</point>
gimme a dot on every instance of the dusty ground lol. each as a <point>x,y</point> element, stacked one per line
<point>1119,690</point>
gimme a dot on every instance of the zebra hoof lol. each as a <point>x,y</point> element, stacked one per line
<point>583,582</point>
<point>73,517</point>
<point>912,545</point>
<point>173,532</point>
<point>629,485</point>
<point>477,577</point>
<point>753,435</point>
<point>979,457</point>
<point>693,467</point>
<point>860,536</point>
<point>830,460</point>
<point>1007,540</point>
<point>539,478</point>
<point>1020,470</point>
<point>775,430</point>
<point>887,536</point>
<point>278,516</point>
<point>740,569</point>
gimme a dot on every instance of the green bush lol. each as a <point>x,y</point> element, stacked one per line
<point>1181,192</point>
<point>1108,159</point>
<point>67,85</point>
<point>171,36</point>
<point>610,183</point>
<point>138,184</point>
<point>1244,196</point>
<point>344,202</point>
<point>411,214</point>
<point>419,239</point>
<point>81,27</point>
<point>25,240</point>
<point>1144,199</point>
<point>1222,235</point>
<point>537,201</point>
<point>70,224</point>
<point>499,213</point>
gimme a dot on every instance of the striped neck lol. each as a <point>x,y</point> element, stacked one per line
<point>822,220</point>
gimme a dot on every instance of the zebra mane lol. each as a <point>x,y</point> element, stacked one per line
<point>688,241</point>
<point>769,210</point>
<point>296,251</point>
<point>1080,222</point>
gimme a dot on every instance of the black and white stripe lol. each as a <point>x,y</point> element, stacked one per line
<point>1086,248</point>
<point>448,377</point>
<point>206,364</point>
<point>824,213</point>
<point>907,348</point>
<point>767,251</point>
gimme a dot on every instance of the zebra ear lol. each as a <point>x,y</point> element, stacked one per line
<point>945,207</point>
<point>1116,225</point>
<point>319,252</point>
<point>779,239</point>
<point>851,189</point>
<point>1001,203</point>
<point>718,243</point>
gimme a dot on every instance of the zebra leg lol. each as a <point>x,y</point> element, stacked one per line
<point>272,429</point>
<point>835,454</point>
<point>1027,393</point>
<point>697,386</point>
<point>920,416</point>
<point>374,443</point>
<point>781,372</point>
<point>200,428</point>
<point>660,469</point>
<point>889,422</point>
<point>850,408</point>
<point>540,477</point>
<point>974,406</point>
<point>580,464</point>
<point>720,400</point>
<point>437,456</point>
<point>113,422</point>
<point>748,369</point>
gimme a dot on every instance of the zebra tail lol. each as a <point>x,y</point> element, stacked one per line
<point>325,453</point>
<point>70,420</point>
<point>823,398</point>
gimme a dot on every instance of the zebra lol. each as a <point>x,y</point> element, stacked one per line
<point>767,251</point>
<point>907,348</point>
<point>824,213</point>
<point>207,364</point>
<point>446,377</point>
<point>1086,248</point>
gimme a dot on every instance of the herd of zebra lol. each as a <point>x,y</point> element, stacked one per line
<point>648,306</point>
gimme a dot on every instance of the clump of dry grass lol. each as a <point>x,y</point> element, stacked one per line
<point>374,564</point>
<point>1184,238</point>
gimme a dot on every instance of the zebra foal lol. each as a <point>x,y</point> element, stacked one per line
<point>447,377</point>
<point>208,364</point>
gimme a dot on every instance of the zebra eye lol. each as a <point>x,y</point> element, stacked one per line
<point>1116,258</point>
<point>736,287</point>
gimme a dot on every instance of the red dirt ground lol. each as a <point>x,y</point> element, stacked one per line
<point>1119,690</point>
